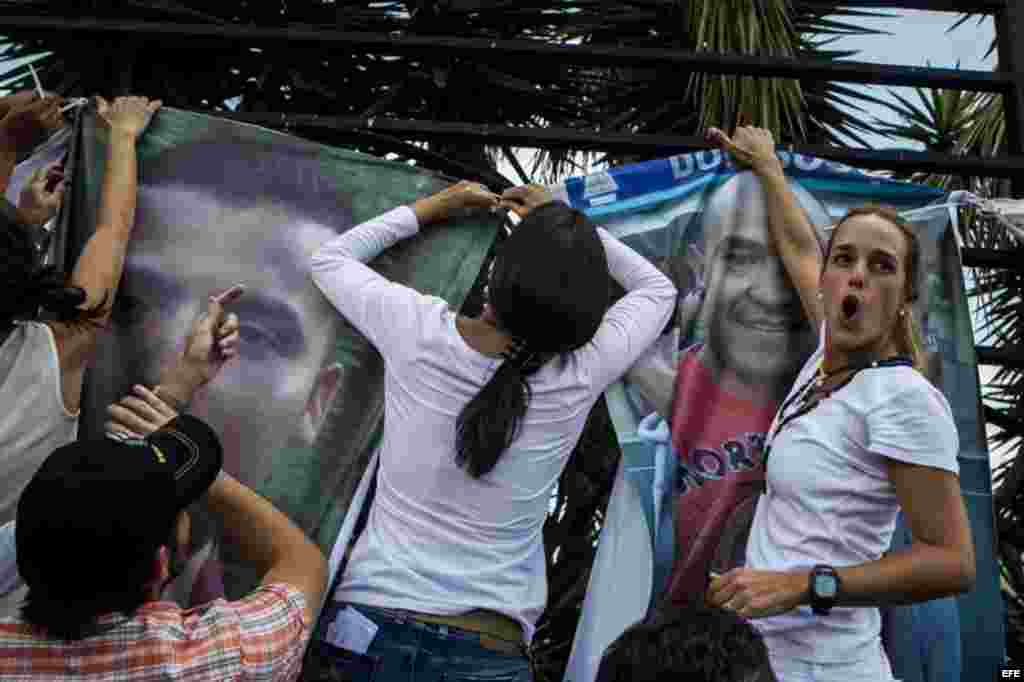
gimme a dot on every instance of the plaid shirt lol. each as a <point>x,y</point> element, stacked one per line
<point>261,637</point>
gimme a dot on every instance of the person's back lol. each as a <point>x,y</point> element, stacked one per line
<point>465,543</point>
<point>481,416</point>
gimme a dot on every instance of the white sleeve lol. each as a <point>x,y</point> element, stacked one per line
<point>916,426</point>
<point>384,311</point>
<point>9,578</point>
<point>636,320</point>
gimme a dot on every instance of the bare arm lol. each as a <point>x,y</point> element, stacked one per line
<point>270,541</point>
<point>98,269</point>
<point>919,445</point>
<point>939,563</point>
<point>792,233</point>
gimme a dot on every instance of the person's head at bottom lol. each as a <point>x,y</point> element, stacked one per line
<point>547,291</point>
<point>695,643</point>
<point>102,525</point>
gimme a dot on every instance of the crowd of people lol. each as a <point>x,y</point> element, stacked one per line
<point>447,579</point>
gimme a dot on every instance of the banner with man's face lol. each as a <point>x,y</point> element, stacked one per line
<point>221,203</point>
<point>691,416</point>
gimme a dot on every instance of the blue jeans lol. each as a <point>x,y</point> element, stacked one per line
<point>405,650</point>
<point>924,641</point>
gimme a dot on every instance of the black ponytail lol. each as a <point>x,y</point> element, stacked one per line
<point>489,422</point>
<point>29,286</point>
<point>549,290</point>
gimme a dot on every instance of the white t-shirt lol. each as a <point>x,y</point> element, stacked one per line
<point>439,541</point>
<point>829,499</point>
<point>33,422</point>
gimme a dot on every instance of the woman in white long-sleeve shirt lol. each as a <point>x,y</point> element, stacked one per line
<point>448,578</point>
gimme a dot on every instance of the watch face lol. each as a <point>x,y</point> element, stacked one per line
<point>825,586</point>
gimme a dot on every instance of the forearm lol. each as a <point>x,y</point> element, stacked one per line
<point>263,535</point>
<point>177,388</point>
<point>794,238</point>
<point>790,229</point>
<point>432,209</point>
<point>920,573</point>
<point>117,206</point>
<point>98,270</point>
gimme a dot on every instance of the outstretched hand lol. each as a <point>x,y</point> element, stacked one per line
<point>128,115</point>
<point>211,342</point>
<point>138,415</point>
<point>213,339</point>
<point>749,146</point>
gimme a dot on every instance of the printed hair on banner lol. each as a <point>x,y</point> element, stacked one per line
<point>298,411</point>
<point>692,415</point>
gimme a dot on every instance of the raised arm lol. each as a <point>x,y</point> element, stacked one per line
<point>792,233</point>
<point>98,269</point>
<point>373,304</point>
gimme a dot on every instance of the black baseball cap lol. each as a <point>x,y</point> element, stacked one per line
<point>96,511</point>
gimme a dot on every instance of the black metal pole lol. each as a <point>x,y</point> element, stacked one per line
<point>653,144</point>
<point>202,35</point>
<point>1010,43</point>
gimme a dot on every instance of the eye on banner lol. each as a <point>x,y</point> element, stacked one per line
<point>692,415</point>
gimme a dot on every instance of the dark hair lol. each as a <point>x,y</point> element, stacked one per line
<point>246,172</point>
<point>28,285</point>
<point>696,643</point>
<point>549,290</point>
<point>70,611</point>
<point>909,336</point>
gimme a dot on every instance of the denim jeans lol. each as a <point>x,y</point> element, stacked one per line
<point>406,650</point>
<point>924,641</point>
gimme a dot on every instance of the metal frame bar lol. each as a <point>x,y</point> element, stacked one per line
<point>554,138</point>
<point>1010,356</point>
<point>955,6</point>
<point>479,48</point>
<point>992,258</point>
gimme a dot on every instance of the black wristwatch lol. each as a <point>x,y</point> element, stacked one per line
<point>824,588</point>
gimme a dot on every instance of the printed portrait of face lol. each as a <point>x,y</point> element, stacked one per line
<point>756,331</point>
<point>210,216</point>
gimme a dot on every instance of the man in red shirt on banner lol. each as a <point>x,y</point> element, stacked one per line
<point>719,395</point>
